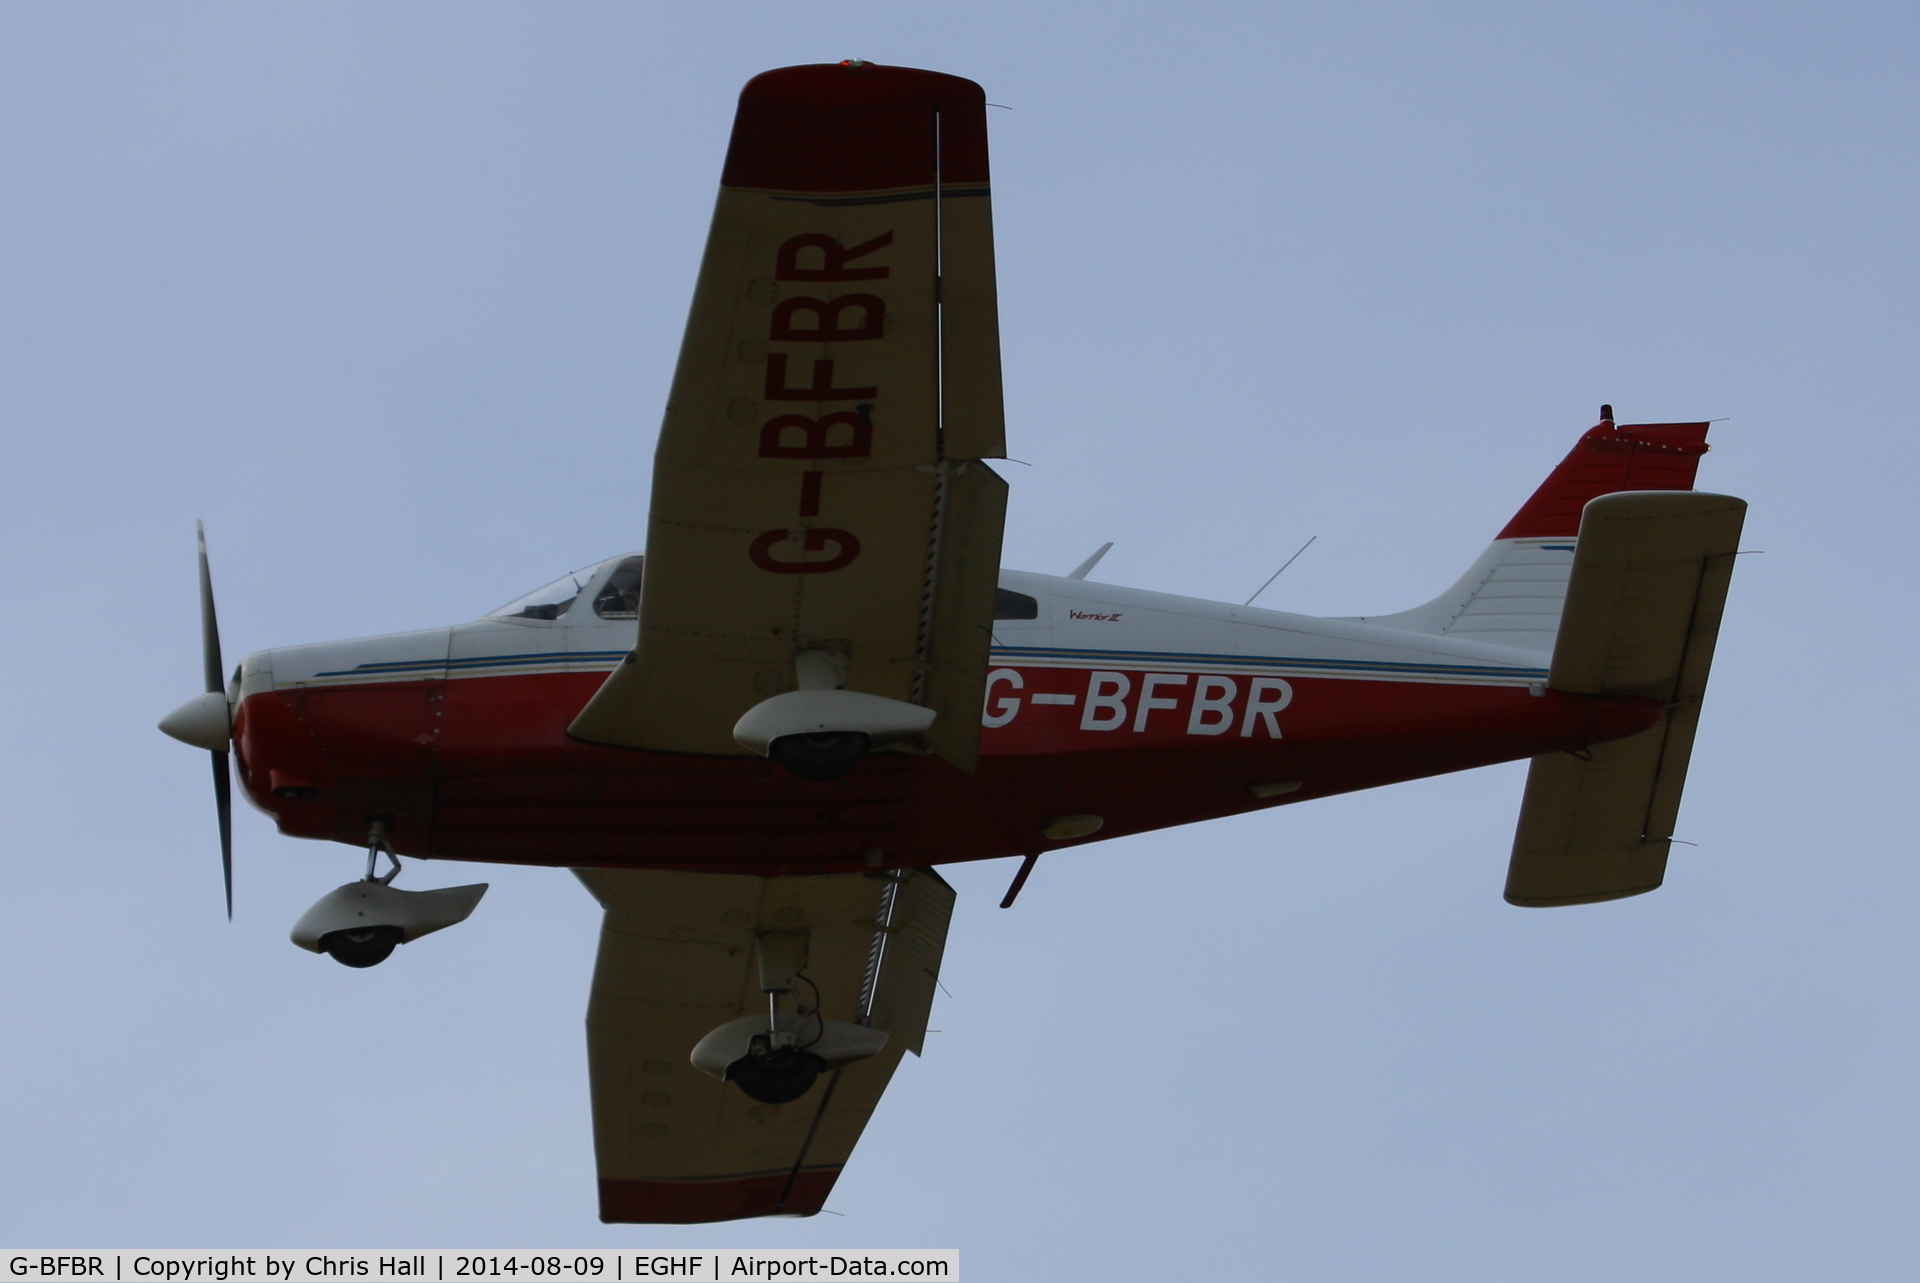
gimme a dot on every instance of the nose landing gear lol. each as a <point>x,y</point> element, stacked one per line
<point>362,946</point>
<point>368,946</point>
<point>362,923</point>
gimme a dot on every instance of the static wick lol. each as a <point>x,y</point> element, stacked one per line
<point>1276,574</point>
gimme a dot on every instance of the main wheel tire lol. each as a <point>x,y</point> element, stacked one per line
<point>361,946</point>
<point>826,756</point>
<point>774,1080</point>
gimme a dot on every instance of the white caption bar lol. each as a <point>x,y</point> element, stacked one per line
<point>768,1265</point>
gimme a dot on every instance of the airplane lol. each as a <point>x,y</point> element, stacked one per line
<point>756,742</point>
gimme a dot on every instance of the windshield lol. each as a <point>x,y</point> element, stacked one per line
<point>619,598</point>
<point>550,601</point>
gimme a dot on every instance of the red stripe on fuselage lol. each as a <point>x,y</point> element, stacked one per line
<point>482,769</point>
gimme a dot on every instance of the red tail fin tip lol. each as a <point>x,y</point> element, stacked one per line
<point>1631,456</point>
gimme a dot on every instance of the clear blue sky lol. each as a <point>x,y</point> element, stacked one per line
<point>390,296</point>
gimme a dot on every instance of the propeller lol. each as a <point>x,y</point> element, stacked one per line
<point>216,684</point>
<point>205,722</point>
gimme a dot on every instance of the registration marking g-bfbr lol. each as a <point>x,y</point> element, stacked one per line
<point>1212,703</point>
<point>840,434</point>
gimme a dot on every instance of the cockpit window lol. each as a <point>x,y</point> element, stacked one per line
<point>1008,604</point>
<point>619,598</point>
<point>549,601</point>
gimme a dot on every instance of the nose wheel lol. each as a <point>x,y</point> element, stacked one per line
<point>362,923</point>
<point>368,946</point>
<point>361,946</point>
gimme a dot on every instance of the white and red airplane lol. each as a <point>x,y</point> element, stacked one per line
<point>828,686</point>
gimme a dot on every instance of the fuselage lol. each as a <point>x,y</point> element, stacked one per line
<point>1142,709</point>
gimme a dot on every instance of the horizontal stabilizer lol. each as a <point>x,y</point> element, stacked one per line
<point>1643,606</point>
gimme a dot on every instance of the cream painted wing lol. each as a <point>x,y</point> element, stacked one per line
<point>818,484</point>
<point>677,960</point>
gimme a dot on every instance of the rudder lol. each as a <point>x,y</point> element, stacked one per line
<point>1631,456</point>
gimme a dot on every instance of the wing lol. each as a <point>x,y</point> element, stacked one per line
<point>677,960</point>
<point>1650,577</point>
<point>818,483</point>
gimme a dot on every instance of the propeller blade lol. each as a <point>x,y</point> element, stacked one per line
<point>209,621</point>
<point>223,802</point>
<point>216,681</point>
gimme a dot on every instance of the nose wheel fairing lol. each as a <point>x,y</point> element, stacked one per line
<point>361,923</point>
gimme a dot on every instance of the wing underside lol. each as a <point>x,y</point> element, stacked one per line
<point>677,960</point>
<point>819,483</point>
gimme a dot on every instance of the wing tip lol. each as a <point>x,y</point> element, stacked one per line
<point>699,1202</point>
<point>841,127</point>
<point>854,83</point>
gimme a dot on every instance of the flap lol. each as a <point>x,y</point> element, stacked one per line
<point>676,961</point>
<point>817,483</point>
<point>1649,584</point>
<point>904,967</point>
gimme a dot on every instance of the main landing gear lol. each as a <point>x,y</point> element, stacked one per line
<point>820,732</point>
<point>779,1065</point>
<point>777,1058</point>
<point>821,757</point>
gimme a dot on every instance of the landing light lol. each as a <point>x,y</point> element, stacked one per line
<point>1065,828</point>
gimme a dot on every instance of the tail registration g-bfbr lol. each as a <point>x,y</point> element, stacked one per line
<point>756,742</point>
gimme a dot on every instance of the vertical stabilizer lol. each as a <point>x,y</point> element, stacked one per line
<point>1633,456</point>
<point>1513,594</point>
